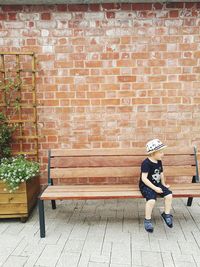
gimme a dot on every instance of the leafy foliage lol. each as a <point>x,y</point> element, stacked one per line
<point>5,136</point>
<point>16,170</point>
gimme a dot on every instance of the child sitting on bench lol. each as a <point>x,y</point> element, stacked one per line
<point>152,183</point>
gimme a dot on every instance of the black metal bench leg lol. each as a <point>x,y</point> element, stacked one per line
<point>190,199</point>
<point>189,202</point>
<point>41,217</point>
<point>53,204</point>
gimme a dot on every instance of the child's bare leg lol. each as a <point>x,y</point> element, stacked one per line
<point>148,208</point>
<point>168,203</point>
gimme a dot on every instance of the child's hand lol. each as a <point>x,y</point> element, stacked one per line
<point>158,190</point>
<point>167,185</point>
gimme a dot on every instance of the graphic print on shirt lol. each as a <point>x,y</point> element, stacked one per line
<point>156,176</point>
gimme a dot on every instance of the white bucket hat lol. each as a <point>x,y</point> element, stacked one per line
<point>154,145</point>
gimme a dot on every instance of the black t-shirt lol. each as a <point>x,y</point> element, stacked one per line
<point>154,170</point>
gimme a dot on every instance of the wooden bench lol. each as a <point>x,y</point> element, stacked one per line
<point>111,166</point>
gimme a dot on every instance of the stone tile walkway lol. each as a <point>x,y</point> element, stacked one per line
<point>103,233</point>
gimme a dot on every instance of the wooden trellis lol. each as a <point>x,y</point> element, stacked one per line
<point>19,69</point>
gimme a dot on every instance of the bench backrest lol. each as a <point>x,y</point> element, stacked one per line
<point>116,165</point>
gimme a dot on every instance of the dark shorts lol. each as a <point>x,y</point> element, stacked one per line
<point>149,193</point>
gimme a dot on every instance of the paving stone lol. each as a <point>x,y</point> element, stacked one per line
<point>98,264</point>
<point>4,254</point>
<point>151,259</point>
<point>73,245</point>
<point>84,260</point>
<point>16,261</point>
<point>121,253</point>
<point>100,258</point>
<point>79,231</point>
<point>92,247</point>
<point>50,255</point>
<point>33,252</point>
<point>181,258</point>
<point>136,257</point>
<point>189,248</point>
<point>169,246</point>
<point>167,259</point>
<point>68,259</point>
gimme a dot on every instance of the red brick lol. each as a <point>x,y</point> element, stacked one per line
<point>197,54</point>
<point>8,8</point>
<point>187,77</point>
<point>157,6</point>
<point>3,16</point>
<point>12,16</point>
<point>125,40</point>
<point>172,85</point>
<point>82,102</point>
<point>110,15</point>
<point>173,14</point>
<point>96,94</point>
<point>52,138</point>
<point>188,47</point>
<point>174,5</point>
<point>95,7</point>
<point>159,78</point>
<point>126,78</point>
<point>45,16</point>
<point>156,62</point>
<point>62,8</point>
<point>190,5</point>
<point>109,56</point>
<point>187,62</point>
<point>111,6</point>
<point>110,144</point>
<point>50,103</point>
<point>141,101</point>
<point>110,86</point>
<point>77,7</point>
<point>79,72</point>
<point>31,41</point>
<point>110,102</point>
<point>93,64</point>
<point>126,6</point>
<point>141,55</point>
<point>64,80</point>
<point>112,71</point>
<point>170,100</point>
<point>125,63</point>
<point>95,79</point>
<point>141,6</point>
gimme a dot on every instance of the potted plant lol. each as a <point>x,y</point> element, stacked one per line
<point>19,187</point>
<point>19,178</point>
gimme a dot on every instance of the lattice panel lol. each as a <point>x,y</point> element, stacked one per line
<point>19,103</point>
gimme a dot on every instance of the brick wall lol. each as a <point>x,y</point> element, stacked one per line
<point>111,75</point>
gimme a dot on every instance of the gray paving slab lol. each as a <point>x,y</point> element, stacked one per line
<point>103,233</point>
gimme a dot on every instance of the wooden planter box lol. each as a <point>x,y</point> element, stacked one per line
<point>20,203</point>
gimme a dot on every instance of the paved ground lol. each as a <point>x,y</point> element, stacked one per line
<point>103,234</point>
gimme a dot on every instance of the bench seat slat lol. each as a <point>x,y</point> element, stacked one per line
<point>116,172</point>
<point>97,188</point>
<point>115,191</point>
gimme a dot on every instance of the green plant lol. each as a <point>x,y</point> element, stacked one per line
<point>5,136</point>
<point>10,87</point>
<point>16,170</point>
